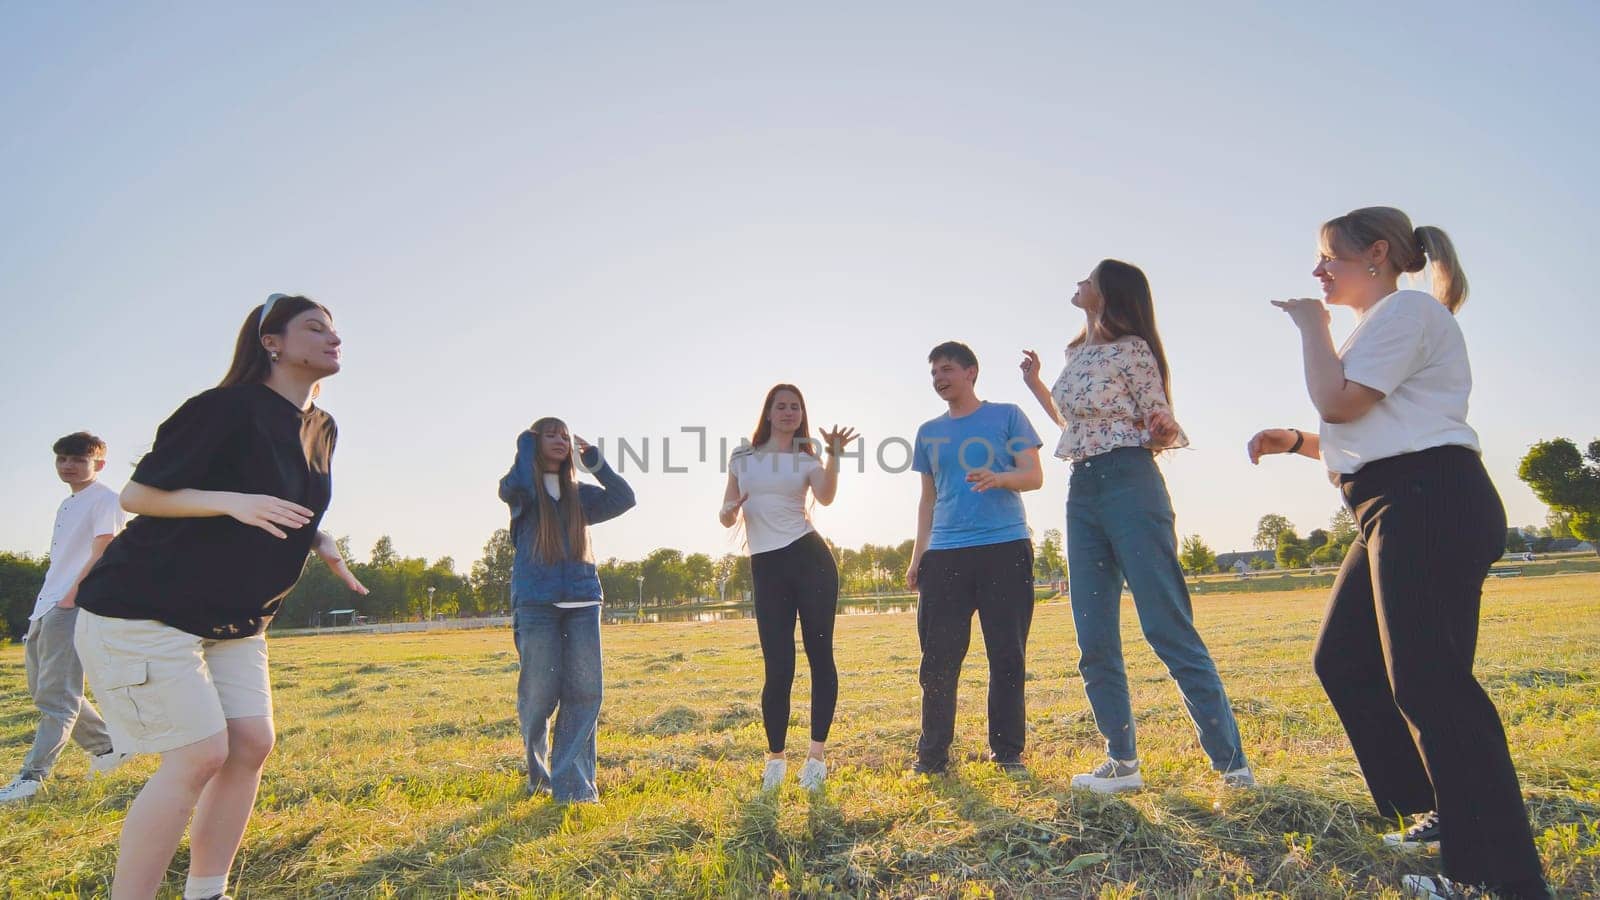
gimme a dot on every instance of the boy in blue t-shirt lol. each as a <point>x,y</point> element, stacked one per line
<point>972,554</point>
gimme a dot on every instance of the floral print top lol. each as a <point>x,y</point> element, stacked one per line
<point>1104,393</point>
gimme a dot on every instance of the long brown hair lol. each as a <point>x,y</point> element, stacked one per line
<point>763,432</point>
<point>1128,310</point>
<point>251,364</point>
<point>562,535</point>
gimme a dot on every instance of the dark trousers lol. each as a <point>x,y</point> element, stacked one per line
<point>996,582</point>
<point>1395,656</point>
<point>800,580</point>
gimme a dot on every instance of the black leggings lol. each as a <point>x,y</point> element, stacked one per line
<point>800,579</point>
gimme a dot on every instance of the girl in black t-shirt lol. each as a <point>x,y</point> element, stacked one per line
<point>171,632</point>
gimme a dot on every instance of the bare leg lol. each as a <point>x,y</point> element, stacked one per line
<point>158,816</point>
<point>229,798</point>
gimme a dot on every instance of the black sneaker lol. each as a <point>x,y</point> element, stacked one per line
<point>921,767</point>
<point>1422,835</point>
<point>1012,767</point>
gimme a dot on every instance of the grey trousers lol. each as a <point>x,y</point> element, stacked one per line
<point>55,681</point>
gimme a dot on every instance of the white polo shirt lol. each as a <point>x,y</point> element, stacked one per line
<point>1408,347</point>
<point>94,511</point>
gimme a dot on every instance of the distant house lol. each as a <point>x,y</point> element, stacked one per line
<point>1569,545</point>
<point>1239,563</point>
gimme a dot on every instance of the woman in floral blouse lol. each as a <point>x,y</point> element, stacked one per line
<point>1111,403</point>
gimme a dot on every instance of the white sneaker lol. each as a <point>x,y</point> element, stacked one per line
<point>107,762</point>
<point>1241,778</point>
<point>813,773</point>
<point>772,776</point>
<point>1111,776</point>
<point>1432,887</point>
<point>19,789</point>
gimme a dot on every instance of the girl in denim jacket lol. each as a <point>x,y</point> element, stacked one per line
<point>555,596</point>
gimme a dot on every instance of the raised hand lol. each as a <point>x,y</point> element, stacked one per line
<point>837,439</point>
<point>1030,367</point>
<point>1305,311</point>
<point>267,513</point>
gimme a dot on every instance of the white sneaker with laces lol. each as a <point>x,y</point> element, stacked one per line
<point>19,789</point>
<point>772,776</point>
<point>813,773</point>
<point>107,762</point>
<point>1241,778</point>
<point>1111,776</point>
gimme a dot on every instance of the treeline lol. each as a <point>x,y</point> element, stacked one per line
<point>414,588</point>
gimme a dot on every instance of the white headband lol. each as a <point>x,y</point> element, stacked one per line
<point>266,308</point>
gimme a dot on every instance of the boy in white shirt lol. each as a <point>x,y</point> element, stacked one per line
<point>85,523</point>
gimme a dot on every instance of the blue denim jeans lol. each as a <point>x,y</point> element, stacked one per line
<point>559,651</point>
<point>1120,524</point>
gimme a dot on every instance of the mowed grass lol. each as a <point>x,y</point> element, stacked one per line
<point>399,771</point>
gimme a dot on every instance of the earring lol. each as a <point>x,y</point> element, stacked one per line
<point>1371,270</point>
<point>272,355</point>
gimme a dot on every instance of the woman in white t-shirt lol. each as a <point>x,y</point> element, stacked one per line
<point>1396,648</point>
<point>792,571</point>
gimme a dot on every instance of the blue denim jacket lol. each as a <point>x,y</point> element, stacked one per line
<point>533,581</point>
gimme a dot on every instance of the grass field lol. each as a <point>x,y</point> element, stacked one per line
<point>399,772</point>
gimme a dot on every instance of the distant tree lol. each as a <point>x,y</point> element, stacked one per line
<point>1049,563</point>
<point>1196,557</point>
<point>733,575</point>
<point>1557,524</point>
<point>1316,539</point>
<point>619,581</point>
<point>699,575</point>
<point>1268,529</point>
<point>1568,482</point>
<point>383,554</point>
<point>1257,563</point>
<point>664,575</point>
<point>1342,527</point>
<point>1515,541</point>
<point>491,575</point>
<point>21,577</point>
<point>1291,552</point>
<point>1329,554</point>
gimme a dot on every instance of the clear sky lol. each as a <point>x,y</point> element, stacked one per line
<point>640,217</point>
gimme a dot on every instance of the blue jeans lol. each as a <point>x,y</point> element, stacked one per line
<point>559,651</point>
<point>1120,523</point>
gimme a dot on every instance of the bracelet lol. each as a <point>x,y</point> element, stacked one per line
<point>1299,440</point>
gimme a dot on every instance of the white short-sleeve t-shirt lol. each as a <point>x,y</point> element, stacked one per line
<point>90,513</point>
<point>1409,347</point>
<point>775,514</point>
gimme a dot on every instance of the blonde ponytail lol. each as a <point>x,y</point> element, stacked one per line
<point>1449,282</point>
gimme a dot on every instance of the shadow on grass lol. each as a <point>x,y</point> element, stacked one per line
<point>444,857</point>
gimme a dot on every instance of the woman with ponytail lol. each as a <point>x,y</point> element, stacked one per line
<point>1396,649</point>
<point>172,621</point>
<point>556,596</point>
<point>792,570</point>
